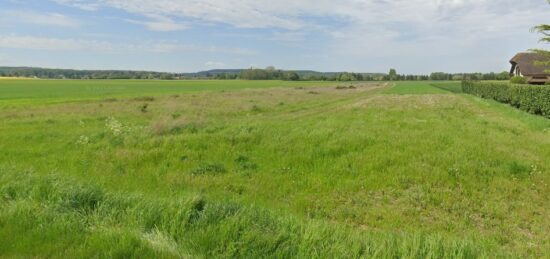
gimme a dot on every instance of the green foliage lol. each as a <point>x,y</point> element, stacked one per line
<point>531,98</point>
<point>393,74</point>
<point>544,29</point>
<point>440,76</point>
<point>349,77</point>
<point>83,74</point>
<point>269,73</point>
<point>518,80</point>
<point>291,76</point>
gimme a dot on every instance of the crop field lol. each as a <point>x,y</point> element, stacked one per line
<point>255,169</point>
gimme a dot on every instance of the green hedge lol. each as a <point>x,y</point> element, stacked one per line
<point>531,98</point>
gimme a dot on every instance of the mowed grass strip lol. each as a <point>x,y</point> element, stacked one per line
<point>449,167</point>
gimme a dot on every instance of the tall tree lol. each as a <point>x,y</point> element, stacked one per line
<point>544,29</point>
<point>393,74</point>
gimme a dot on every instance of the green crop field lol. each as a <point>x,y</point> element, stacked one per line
<point>255,169</point>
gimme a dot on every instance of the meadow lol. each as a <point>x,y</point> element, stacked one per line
<point>255,169</point>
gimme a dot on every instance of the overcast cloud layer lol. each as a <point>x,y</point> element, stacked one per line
<point>414,36</point>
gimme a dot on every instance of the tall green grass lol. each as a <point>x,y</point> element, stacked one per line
<point>366,171</point>
<point>61,218</point>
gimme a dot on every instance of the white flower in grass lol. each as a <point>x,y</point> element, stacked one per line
<point>114,126</point>
<point>83,140</point>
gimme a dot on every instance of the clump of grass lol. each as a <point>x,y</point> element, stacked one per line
<point>160,127</point>
<point>519,170</point>
<point>343,87</point>
<point>143,107</point>
<point>172,126</point>
<point>176,115</point>
<point>209,169</point>
<point>83,199</point>
<point>256,108</point>
<point>245,164</point>
<point>191,128</point>
<point>144,99</point>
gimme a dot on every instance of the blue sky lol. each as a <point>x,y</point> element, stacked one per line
<point>413,36</point>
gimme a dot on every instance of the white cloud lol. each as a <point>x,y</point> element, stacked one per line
<point>420,33</point>
<point>400,18</point>
<point>82,4</point>
<point>292,14</point>
<point>160,23</point>
<point>36,18</point>
<point>62,44</point>
<point>45,43</point>
<point>292,36</point>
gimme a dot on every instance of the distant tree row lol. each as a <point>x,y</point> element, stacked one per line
<point>269,73</point>
<point>82,74</point>
<point>470,76</point>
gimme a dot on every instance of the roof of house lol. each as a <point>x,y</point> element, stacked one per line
<point>527,63</point>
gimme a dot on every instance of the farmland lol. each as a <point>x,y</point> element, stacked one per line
<point>204,169</point>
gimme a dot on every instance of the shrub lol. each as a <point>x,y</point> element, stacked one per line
<point>518,80</point>
<point>531,98</point>
<point>489,90</point>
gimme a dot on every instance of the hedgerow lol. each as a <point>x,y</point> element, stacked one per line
<point>531,98</point>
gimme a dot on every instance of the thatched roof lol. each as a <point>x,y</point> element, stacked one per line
<point>527,64</point>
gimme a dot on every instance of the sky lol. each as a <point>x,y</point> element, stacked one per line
<point>412,36</point>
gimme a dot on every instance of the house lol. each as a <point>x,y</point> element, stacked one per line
<point>525,64</point>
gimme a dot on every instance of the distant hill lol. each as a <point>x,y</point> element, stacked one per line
<point>301,73</point>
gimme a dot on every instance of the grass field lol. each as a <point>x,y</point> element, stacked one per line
<point>40,91</point>
<point>268,169</point>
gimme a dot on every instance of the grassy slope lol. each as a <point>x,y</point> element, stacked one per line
<point>411,170</point>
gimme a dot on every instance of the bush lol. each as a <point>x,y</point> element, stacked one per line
<point>531,98</point>
<point>518,80</point>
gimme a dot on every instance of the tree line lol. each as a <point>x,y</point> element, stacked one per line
<point>48,73</point>
<point>269,73</point>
